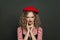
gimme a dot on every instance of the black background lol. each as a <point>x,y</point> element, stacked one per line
<point>10,11</point>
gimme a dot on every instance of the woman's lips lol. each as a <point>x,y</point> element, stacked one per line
<point>29,23</point>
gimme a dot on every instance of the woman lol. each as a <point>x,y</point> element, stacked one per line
<point>29,28</point>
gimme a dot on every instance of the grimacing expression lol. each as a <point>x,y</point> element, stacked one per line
<point>30,18</point>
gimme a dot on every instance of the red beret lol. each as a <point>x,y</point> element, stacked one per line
<point>30,8</point>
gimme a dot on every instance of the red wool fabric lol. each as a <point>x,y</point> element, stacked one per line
<point>30,8</point>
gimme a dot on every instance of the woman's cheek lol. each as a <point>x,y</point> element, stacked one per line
<point>32,19</point>
<point>27,19</point>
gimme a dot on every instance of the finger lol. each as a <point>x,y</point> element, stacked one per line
<point>27,23</point>
<point>27,26</point>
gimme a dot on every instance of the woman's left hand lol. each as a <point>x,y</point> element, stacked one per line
<point>32,35</point>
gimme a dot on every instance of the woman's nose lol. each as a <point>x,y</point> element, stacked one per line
<point>29,18</point>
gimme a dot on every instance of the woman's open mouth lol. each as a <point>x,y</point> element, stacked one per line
<point>29,23</point>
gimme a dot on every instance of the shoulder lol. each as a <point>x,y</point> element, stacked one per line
<point>19,28</point>
<point>40,29</point>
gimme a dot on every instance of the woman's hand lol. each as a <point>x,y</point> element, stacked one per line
<point>28,27</point>
<point>27,34</point>
<point>31,33</point>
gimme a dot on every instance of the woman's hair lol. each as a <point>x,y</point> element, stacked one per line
<point>23,21</point>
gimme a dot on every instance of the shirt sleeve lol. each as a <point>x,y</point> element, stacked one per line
<point>19,33</point>
<point>40,32</point>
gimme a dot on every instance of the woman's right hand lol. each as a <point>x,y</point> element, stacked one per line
<point>26,36</point>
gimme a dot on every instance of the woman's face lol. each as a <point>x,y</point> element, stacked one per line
<point>30,18</point>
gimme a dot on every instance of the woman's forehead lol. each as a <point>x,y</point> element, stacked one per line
<point>30,14</point>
